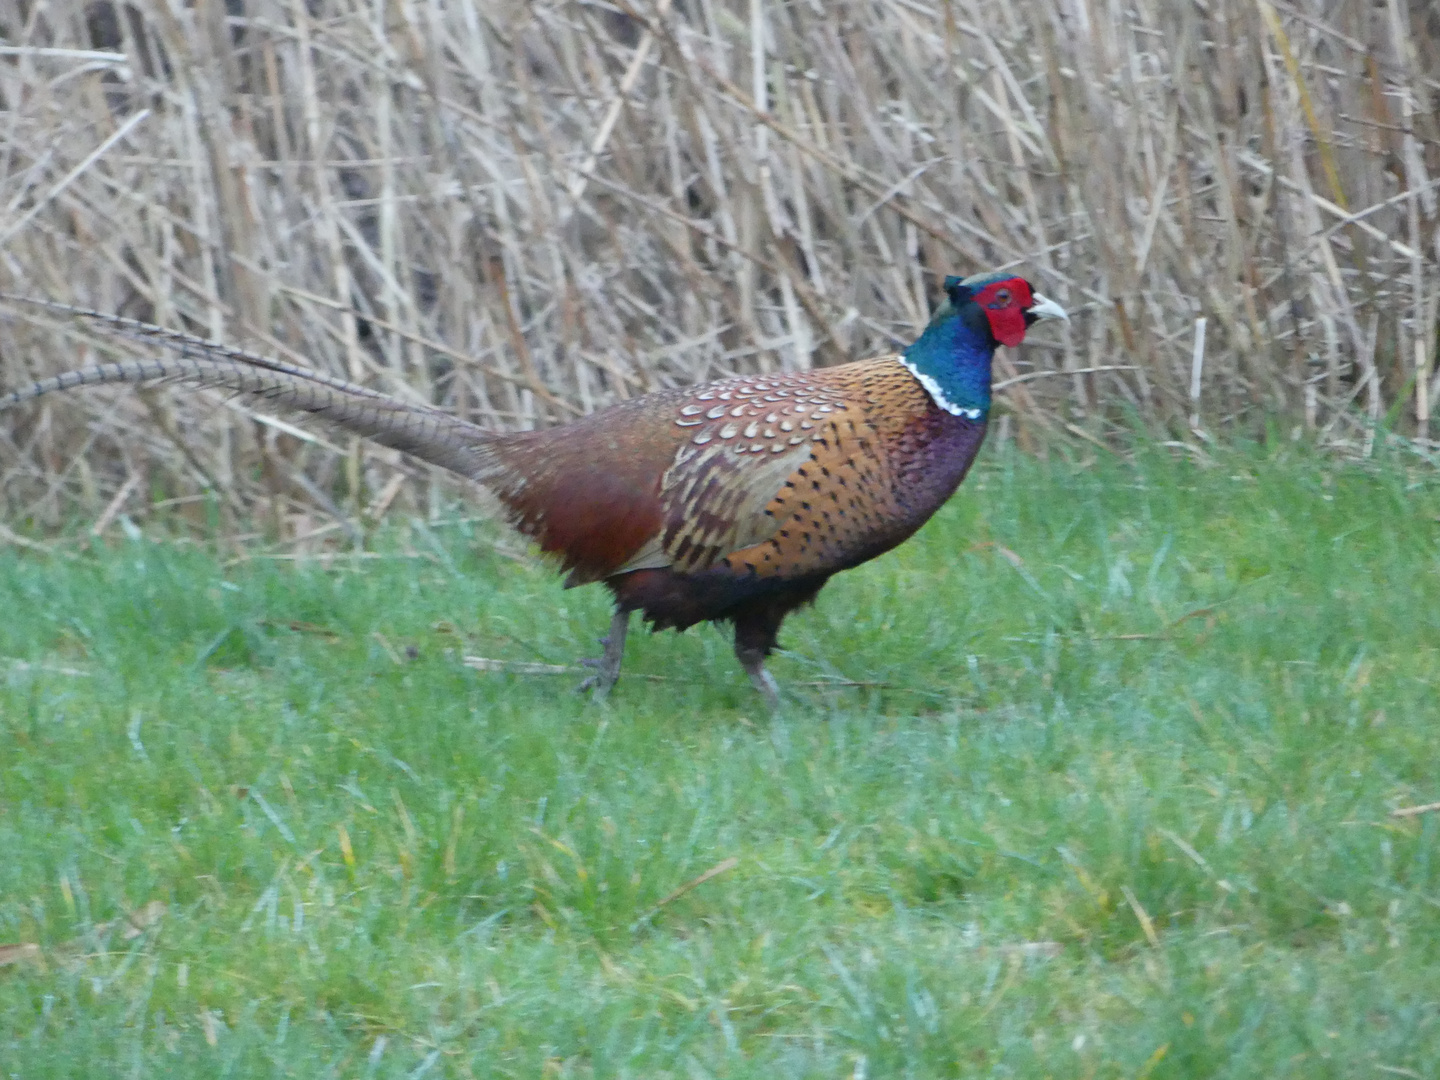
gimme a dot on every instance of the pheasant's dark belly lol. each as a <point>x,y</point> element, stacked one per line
<point>671,600</point>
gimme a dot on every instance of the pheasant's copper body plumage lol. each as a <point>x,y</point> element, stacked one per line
<point>736,500</point>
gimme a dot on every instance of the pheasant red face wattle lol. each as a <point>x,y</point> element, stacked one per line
<point>1005,304</point>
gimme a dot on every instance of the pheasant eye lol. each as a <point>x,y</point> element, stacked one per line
<point>1002,298</point>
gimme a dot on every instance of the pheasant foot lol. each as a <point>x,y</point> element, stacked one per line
<point>607,666</point>
<point>753,661</point>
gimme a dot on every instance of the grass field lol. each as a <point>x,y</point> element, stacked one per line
<point>1115,800</point>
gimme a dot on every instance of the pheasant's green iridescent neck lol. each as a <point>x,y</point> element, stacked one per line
<point>952,357</point>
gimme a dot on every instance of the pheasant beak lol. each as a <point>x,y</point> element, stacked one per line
<point>1045,308</point>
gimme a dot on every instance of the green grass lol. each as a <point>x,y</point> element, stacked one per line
<point>1043,847</point>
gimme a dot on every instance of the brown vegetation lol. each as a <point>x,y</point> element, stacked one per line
<point>525,211</point>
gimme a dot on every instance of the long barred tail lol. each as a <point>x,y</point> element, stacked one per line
<point>180,341</point>
<point>426,433</point>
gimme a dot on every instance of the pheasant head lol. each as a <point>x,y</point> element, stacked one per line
<point>952,357</point>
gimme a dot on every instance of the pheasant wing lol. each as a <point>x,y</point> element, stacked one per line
<point>780,475</point>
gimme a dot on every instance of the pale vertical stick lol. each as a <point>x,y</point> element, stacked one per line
<point>1429,335</point>
<point>1415,178</point>
<point>1197,370</point>
<point>1422,392</point>
<point>759,90</point>
<point>1372,382</point>
<point>389,291</point>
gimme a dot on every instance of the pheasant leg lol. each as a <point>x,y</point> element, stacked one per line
<point>753,661</point>
<point>607,667</point>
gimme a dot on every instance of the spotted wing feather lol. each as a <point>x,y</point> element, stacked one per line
<point>764,453</point>
<point>856,496</point>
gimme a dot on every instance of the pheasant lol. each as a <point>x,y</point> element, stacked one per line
<point>731,501</point>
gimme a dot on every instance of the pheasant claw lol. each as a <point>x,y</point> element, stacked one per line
<point>607,666</point>
<point>768,687</point>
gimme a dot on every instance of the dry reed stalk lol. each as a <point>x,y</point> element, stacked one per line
<point>523,212</point>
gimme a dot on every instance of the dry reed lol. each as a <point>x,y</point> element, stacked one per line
<point>525,211</point>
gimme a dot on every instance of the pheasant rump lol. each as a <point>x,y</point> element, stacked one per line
<point>735,500</point>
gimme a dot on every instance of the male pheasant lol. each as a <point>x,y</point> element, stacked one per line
<point>735,500</point>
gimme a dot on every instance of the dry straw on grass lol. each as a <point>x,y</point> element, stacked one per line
<point>525,211</point>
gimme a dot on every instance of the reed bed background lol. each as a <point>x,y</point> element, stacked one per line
<point>524,211</point>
